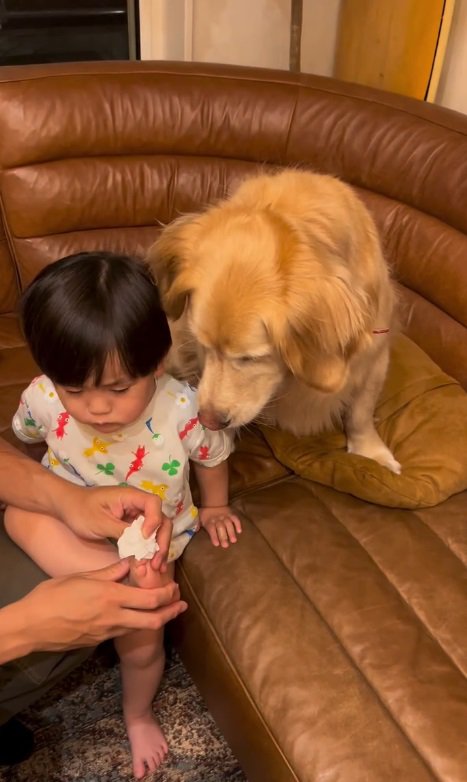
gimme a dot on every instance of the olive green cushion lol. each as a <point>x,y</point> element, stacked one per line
<point>421,415</point>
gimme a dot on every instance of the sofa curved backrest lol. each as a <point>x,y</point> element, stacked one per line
<point>99,155</point>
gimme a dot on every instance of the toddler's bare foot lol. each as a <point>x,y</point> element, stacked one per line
<point>144,576</point>
<point>148,745</point>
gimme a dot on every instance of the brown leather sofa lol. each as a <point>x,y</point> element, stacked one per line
<point>330,642</point>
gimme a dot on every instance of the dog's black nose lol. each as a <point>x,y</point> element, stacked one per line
<point>213,420</point>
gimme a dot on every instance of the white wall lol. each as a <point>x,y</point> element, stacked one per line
<point>162,29</point>
<point>242,32</point>
<point>452,89</point>
<point>257,32</point>
<point>319,32</point>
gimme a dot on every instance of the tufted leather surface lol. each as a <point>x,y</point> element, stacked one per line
<point>348,651</point>
<point>330,642</point>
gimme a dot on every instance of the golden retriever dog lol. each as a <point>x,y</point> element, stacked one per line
<point>281,295</point>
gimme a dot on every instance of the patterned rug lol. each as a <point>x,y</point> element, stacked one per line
<point>80,734</point>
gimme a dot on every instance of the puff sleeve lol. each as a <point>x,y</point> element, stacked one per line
<point>31,420</point>
<point>202,445</point>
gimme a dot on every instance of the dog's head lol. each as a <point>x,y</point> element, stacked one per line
<point>262,304</point>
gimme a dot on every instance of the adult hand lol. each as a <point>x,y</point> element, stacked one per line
<point>98,512</point>
<point>105,511</point>
<point>85,609</point>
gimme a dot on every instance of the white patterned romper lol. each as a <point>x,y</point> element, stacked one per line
<point>152,453</point>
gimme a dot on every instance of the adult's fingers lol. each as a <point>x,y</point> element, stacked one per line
<point>114,572</point>
<point>150,620</point>
<point>147,599</point>
<point>163,537</point>
<point>151,510</point>
<point>114,527</point>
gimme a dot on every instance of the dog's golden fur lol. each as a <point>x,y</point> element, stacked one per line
<point>277,293</point>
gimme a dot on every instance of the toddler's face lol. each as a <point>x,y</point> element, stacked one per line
<point>113,404</point>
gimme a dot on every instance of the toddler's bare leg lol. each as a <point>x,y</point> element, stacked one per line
<point>54,546</point>
<point>142,661</point>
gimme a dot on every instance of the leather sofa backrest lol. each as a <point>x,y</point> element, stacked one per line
<point>9,285</point>
<point>99,155</point>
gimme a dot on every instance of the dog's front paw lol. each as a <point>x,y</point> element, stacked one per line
<point>377,451</point>
<point>389,462</point>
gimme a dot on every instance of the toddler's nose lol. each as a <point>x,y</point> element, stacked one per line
<point>99,405</point>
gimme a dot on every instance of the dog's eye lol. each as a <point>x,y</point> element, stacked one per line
<point>249,359</point>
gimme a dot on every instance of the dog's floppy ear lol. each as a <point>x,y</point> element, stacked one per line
<point>169,263</point>
<point>323,371</point>
<point>325,323</point>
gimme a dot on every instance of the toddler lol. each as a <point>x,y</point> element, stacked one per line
<point>111,415</point>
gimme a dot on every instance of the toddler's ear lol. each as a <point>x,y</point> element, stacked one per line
<point>160,369</point>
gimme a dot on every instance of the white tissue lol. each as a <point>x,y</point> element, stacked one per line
<point>132,543</point>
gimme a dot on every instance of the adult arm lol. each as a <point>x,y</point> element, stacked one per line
<point>83,610</point>
<point>28,485</point>
<point>98,512</point>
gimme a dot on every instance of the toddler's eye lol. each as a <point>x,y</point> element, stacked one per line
<point>120,390</point>
<point>73,390</point>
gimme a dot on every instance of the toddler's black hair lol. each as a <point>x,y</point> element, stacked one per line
<point>86,307</point>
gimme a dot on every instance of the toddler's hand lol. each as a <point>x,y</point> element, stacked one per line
<point>221,525</point>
